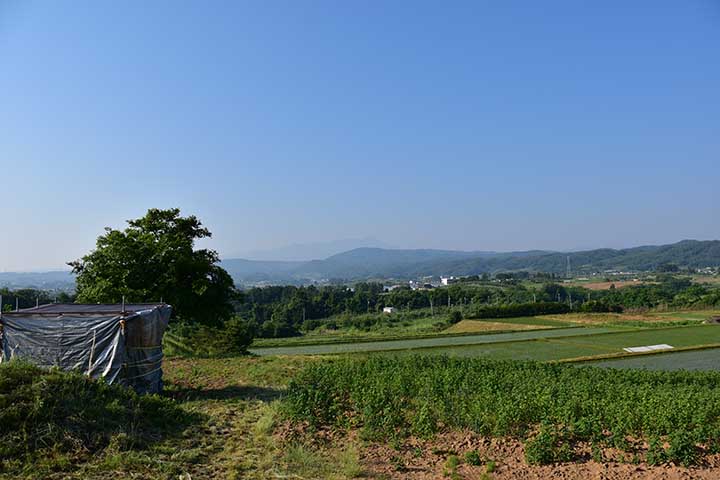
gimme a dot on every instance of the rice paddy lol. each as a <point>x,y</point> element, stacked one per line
<point>558,344</point>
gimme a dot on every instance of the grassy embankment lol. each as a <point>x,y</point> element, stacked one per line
<point>216,419</point>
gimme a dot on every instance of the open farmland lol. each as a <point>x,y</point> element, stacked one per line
<point>593,344</point>
<point>607,285</point>
<point>516,323</point>
<point>636,319</point>
<point>705,359</point>
<point>544,345</point>
<point>559,412</point>
<point>421,324</point>
<point>420,343</point>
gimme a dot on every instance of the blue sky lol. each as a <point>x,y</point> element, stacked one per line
<point>470,125</point>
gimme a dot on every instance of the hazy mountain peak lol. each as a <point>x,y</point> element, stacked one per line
<point>313,250</point>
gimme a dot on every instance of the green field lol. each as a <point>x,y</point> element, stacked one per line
<point>426,343</point>
<point>579,346</point>
<point>705,359</point>
<point>420,327</point>
<point>543,345</point>
<point>420,324</point>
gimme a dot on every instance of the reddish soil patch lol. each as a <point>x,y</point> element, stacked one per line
<point>427,460</point>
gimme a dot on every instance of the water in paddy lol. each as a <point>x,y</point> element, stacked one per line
<point>448,341</point>
<point>708,359</point>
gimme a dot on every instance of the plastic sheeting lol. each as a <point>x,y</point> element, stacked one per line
<point>123,348</point>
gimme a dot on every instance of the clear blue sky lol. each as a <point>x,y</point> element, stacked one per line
<point>496,125</point>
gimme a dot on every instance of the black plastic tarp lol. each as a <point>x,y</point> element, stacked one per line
<point>122,344</point>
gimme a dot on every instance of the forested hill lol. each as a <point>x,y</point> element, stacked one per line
<point>378,263</point>
<point>364,263</point>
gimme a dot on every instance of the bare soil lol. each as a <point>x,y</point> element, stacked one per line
<point>468,326</point>
<point>606,285</point>
<point>426,460</point>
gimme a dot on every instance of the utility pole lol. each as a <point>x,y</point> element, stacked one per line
<point>432,311</point>
<point>568,273</point>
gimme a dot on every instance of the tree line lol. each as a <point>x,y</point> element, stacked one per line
<point>29,297</point>
<point>289,310</point>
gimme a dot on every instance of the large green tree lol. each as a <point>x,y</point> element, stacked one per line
<point>155,258</point>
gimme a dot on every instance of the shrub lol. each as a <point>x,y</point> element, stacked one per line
<point>47,413</point>
<point>233,338</point>
<point>519,310</point>
<point>600,306</point>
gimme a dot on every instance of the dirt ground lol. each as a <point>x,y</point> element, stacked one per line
<point>468,326</point>
<point>426,460</point>
<point>606,285</point>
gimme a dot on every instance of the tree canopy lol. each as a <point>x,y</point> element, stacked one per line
<point>154,258</point>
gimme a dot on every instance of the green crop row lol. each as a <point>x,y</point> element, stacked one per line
<point>552,407</point>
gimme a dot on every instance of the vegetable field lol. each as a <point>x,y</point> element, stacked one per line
<point>658,416</point>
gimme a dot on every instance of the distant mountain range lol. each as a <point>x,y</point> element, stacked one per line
<point>368,263</point>
<point>315,250</point>
<point>383,263</point>
<point>57,280</point>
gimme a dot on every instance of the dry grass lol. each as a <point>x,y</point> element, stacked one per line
<point>606,285</point>
<point>471,326</point>
<point>634,317</point>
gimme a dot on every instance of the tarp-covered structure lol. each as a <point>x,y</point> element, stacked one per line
<point>120,343</point>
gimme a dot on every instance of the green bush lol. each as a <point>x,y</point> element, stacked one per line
<point>50,413</point>
<point>600,306</point>
<point>194,339</point>
<point>519,310</point>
